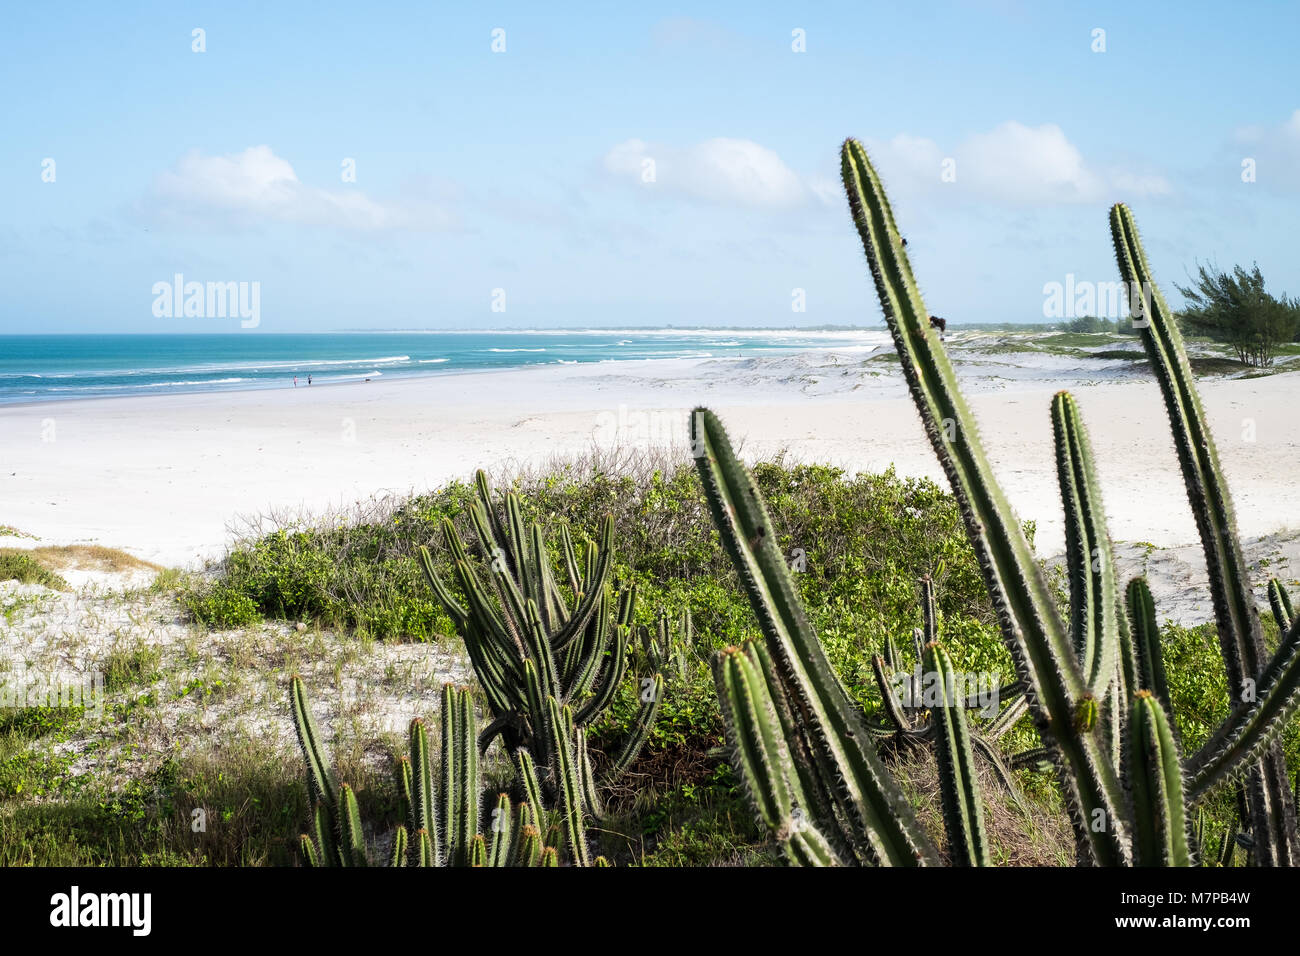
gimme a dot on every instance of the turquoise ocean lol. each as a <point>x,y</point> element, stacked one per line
<point>38,368</point>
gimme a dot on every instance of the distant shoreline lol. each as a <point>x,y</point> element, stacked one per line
<point>61,367</point>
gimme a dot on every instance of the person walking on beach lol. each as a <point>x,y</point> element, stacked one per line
<point>295,381</point>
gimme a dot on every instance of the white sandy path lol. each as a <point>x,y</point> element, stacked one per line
<point>162,476</point>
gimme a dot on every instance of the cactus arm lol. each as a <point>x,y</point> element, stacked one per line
<point>478,852</point>
<point>405,794</point>
<point>1241,639</point>
<point>351,835</point>
<point>536,698</point>
<point>1007,718</point>
<point>482,611</point>
<point>1093,591</point>
<point>888,695</point>
<point>540,590</point>
<point>891,653</point>
<point>570,560</point>
<point>557,612</point>
<point>854,772</point>
<point>494,669</point>
<point>310,855</point>
<point>761,756</point>
<point>1145,633</point>
<point>519,542</point>
<point>586,779</point>
<point>810,848</point>
<point>808,790</point>
<point>571,805</point>
<point>1155,777</point>
<point>929,616</point>
<point>530,846</point>
<point>423,849</point>
<point>1117,703</point>
<point>489,525</point>
<point>318,774</point>
<point>502,817</point>
<point>1251,727</point>
<point>1229,844</point>
<point>454,610</point>
<point>526,774</point>
<point>449,807</point>
<point>1207,492</point>
<point>512,601</point>
<point>423,799</point>
<point>1280,602</point>
<point>483,488</point>
<point>327,836</point>
<point>651,696</point>
<point>1017,585</point>
<point>609,679</point>
<point>594,586</point>
<point>1039,644</point>
<point>539,648</point>
<point>465,753</point>
<point>963,804</point>
<point>399,847</point>
<point>592,651</point>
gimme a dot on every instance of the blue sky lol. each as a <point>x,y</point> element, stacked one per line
<point>526,170</point>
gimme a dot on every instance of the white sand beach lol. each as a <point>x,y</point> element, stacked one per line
<point>167,477</point>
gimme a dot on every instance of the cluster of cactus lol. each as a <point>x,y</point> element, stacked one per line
<point>547,668</point>
<point>443,819</point>
<point>1093,685</point>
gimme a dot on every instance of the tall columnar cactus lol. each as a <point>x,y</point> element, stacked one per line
<point>1241,638</point>
<point>1094,684</point>
<point>528,645</point>
<point>443,819</point>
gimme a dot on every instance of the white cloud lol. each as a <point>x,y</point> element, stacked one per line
<point>1012,163</point>
<point>737,171</point>
<point>256,186</point>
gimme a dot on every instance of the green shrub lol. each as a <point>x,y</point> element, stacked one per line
<point>221,607</point>
<point>20,566</point>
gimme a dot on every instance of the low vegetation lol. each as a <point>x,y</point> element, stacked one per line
<point>21,566</point>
